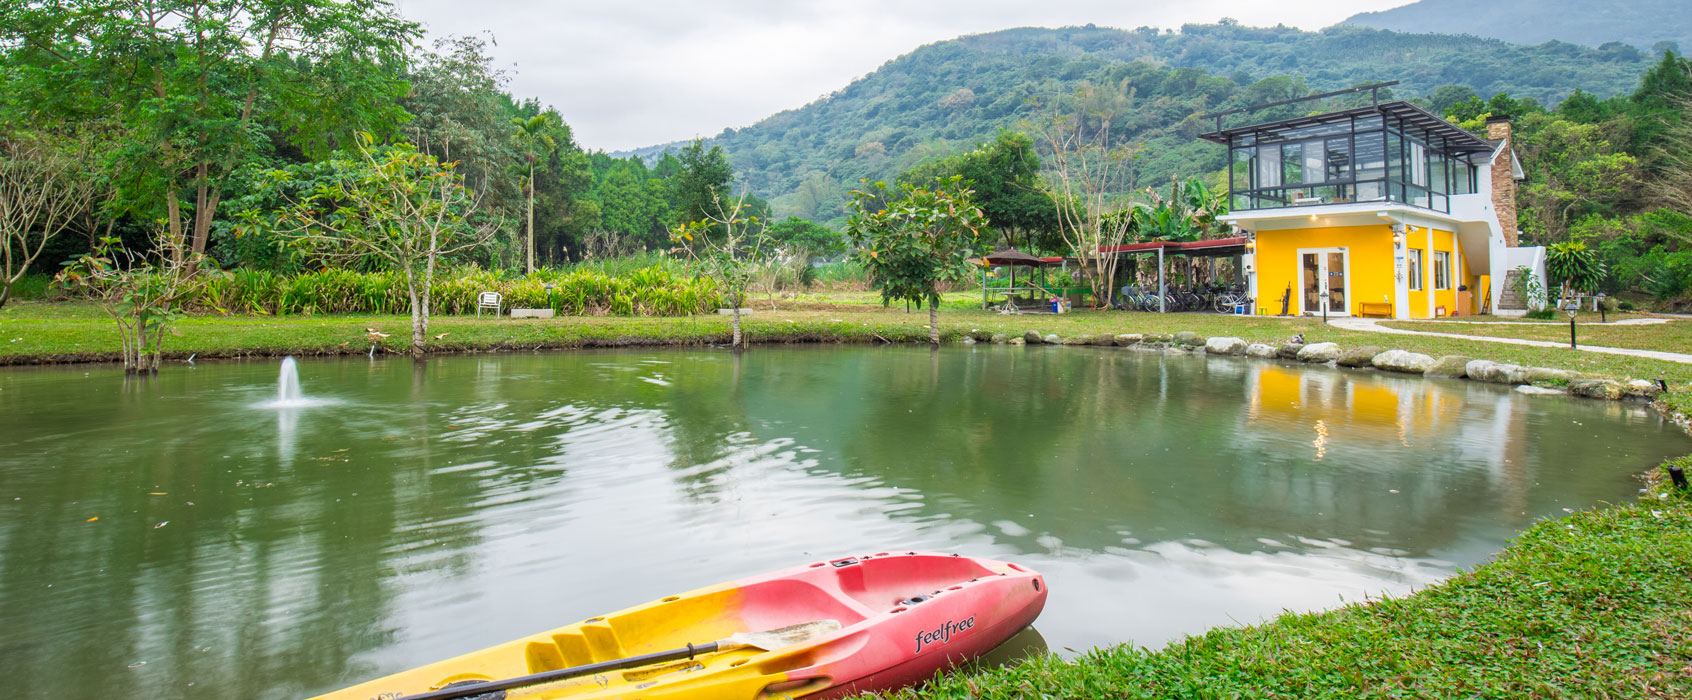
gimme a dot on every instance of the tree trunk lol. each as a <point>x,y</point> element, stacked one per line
<point>933,324</point>
<point>5,292</point>
<point>531,245</point>
<point>417,329</point>
<point>736,340</point>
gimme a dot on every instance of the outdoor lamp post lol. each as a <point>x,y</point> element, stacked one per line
<point>549,295</point>
<point>1572,306</point>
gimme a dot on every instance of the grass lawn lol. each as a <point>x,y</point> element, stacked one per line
<point>1595,605</point>
<point>32,332</point>
<point>1674,336</point>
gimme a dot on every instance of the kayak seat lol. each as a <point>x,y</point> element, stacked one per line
<point>678,621</point>
<point>883,582</point>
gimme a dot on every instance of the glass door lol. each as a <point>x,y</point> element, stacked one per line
<point>1322,282</point>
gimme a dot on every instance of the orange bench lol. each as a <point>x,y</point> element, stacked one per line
<point>1374,308</point>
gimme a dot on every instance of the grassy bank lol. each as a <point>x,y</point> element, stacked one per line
<point>1595,605</point>
<point>1673,336</point>
<point>42,332</point>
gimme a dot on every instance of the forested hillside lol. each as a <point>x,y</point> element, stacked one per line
<point>953,94</point>
<point>1640,23</point>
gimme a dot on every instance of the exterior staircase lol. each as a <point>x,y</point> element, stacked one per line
<point>1509,302</point>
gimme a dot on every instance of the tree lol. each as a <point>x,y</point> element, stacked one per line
<point>1005,177</point>
<point>43,190</point>
<point>808,237</point>
<point>391,203</point>
<point>143,296</point>
<point>702,184</point>
<point>1573,171</point>
<point>1574,266</point>
<point>725,246</point>
<point>913,239</point>
<point>194,80</point>
<point>1673,187</point>
<point>535,144</point>
<point>1090,172</point>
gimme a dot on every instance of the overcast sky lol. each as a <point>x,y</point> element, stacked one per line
<point>632,74</point>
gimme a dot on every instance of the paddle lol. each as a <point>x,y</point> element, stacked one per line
<point>767,640</point>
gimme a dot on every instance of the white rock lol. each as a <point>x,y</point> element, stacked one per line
<point>1541,390</point>
<point>1260,350</point>
<point>1319,352</point>
<point>1402,361</point>
<point>1225,346</point>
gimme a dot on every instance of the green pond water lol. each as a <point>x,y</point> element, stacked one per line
<point>420,511</point>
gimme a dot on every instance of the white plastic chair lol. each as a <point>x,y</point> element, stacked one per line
<point>489,300</point>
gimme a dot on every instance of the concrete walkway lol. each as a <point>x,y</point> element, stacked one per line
<point>1372,325</point>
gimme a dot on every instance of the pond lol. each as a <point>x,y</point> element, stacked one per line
<point>177,537</point>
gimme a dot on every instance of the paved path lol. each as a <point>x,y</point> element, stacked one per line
<point>1621,322</point>
<point>1373,325</point>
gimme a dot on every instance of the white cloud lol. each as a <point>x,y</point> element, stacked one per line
<point>635,74</point>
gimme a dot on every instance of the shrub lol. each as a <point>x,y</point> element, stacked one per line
<point>645,291</point>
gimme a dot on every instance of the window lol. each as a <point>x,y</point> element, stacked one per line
<point>1415,270</point>
<point>1442,269</point>
<point>1292,163</point>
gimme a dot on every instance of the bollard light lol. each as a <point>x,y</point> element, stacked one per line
<point>1572,307</point>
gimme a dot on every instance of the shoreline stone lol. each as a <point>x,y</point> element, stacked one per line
<point>1263,351</point>
<point>1359,357</point>
<point>1225,346</point>
<point>1288,351</point>
<point>1127,339</point>
<point>1402,361</point>
<point>1052,339</point>
<point>1190,339</point>
<point>1450,366</point>
<point>1319,352</point>
<point>1033,337</point>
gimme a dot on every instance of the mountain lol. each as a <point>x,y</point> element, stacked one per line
<point>1640,23</point>
<point>953,94</point>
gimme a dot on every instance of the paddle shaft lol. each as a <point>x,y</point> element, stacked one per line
<point>468,690</point>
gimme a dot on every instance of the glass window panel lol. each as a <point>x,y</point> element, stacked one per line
<point>1315,163</point>
<point>1465,181</point>
<point>1438,172</point>
<point>1292,163</point>
<point>1371,156</point>
<point>1336,282</point>
<point>1418,164</point>
<point>1242,168</point>
<point>1368,123</point>
<point>1442,270</point>
<point>1339,159</point>
<point>1370,191</point>
<point>1395,157</point>
<point>1415,270</point>
<point>1268,166</point>
<point>1312,282</point>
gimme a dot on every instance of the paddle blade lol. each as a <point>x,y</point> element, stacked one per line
<point>777,638</point>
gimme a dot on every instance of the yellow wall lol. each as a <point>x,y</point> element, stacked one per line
<point>1370,253</point>
<point>1444,241</point>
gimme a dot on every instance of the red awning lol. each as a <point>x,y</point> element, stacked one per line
<point>1175,247</point>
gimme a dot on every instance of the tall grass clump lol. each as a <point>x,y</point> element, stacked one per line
<point>652,290</point>
<point>843,275</point>
<point>33,286</point>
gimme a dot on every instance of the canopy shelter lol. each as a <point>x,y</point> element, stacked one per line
<point>1235,247</point>
<point>1013,258</point>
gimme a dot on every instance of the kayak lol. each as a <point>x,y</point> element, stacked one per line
<point>826,629</point>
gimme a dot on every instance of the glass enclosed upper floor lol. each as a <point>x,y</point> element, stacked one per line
<point>1391,152</point>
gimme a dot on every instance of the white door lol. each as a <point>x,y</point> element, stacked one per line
<point>1323,275</point>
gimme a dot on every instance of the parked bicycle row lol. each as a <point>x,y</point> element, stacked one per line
<point>1217,298</point>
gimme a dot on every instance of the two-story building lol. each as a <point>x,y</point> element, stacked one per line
<point>1385,210</point>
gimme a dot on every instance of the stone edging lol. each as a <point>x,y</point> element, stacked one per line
<point>1534,380</point>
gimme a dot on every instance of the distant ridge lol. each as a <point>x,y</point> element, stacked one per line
<point>951,95</point>
<point>1642,24</point>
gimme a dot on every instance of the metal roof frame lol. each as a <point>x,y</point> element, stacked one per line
<point>1457,140</point>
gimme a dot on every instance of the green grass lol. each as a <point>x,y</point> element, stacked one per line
<point>32,332</point>
<point>1674,336</point>
<point>1595,605</point>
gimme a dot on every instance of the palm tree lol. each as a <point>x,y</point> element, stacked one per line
<point>534,142</point>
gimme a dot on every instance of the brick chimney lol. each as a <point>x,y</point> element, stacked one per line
<point>1503,178</point>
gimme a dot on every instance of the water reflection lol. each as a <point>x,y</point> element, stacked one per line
<point>447,506</point>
